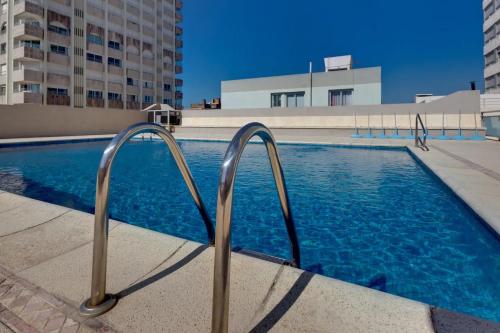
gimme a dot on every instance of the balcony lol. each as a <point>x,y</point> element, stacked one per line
<point>95,66</point>
<point>58,100</point>
<point>178,4</point>
<point>113,104</point>
<point>179,56</point>
<point>179,44</point>
<point>179,82</point>
<point>60,39</point>
<point>27,53</point>
<point>133,105</point>
<point>179,95</point>
<point>27,97</point>
<point>56,58</point>
<point>178,17</point>
<point>178,69</point>
<point>133,58</point>
<point>27,7</point>
<point>27,31</point>
<point>178,31</point>
<point>27,75</point>
<point>95,102</point>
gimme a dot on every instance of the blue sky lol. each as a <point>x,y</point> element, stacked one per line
<point>430,46</point>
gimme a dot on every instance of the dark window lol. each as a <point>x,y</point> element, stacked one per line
<point>58,49</point>
<point>57,91</point>
<point>94,94</point>
<point>94,57</point>
<point>114,62</point>
<point>167,87</point>
<point>58,30</point>
<point>113,45</point>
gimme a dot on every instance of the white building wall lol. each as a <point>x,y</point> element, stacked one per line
<point>245,94</point>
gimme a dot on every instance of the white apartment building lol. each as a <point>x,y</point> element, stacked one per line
<point>338,85</point>
<point>120,54</point>
<point>491,29</point>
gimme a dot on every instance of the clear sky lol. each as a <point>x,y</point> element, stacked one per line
<point>424,46</point>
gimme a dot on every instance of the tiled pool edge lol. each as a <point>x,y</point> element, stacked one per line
<point>326,284</point>
<point>483,214</point>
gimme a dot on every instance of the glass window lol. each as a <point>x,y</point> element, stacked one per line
<point>94,94</point>
<point>114,96</point>
<point>148,99</point>
<point>341,97</point>
<point>94,39</point>
<point>58,49</point>
<point>166,87</point>
<point>113,45</point>
<point>114,62</point>
<point>94,57</point>
<point>58,30</point>
<point>57,91</point>
<point>148,84</point>
<point>275,100</point>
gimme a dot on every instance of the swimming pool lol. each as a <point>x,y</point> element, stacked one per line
<point>374,217</point>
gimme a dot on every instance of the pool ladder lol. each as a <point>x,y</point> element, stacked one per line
<point>101,302</point>
<point>420,142</point>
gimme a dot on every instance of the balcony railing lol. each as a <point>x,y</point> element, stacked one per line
<point>115,104</point>
<point>178,31</point>
<point>178,4</point>
<point>27,53</point>
<point>58,100</point>
<point>179,44</point>
<point>133,105</point>
<point>179,56</point>
<point>179,95</point>
<point>178,17</point>
<point>179,82</point>
<point>178,69</point>
<point>95,102</point>
<point>28,30</point>
<point>21,7</point>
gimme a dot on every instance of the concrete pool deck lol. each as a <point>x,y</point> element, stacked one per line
<point>165,283</point>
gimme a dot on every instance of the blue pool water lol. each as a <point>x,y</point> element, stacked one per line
<point>373,217</point>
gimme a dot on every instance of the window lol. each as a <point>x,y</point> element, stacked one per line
<point>3,69</point>
<point>291,99</point>
<point>58,30</point>
<point>341,97</point>
<point>148,99</point>
<point>114,62</point>
<point>167,87</point>
<point>30,43</point>
<point>94,94</point>
<point>275,100</point>
<point>148,84</point>
<point>94,57</point>
<point>132,82</point>
<point>57,91</point>
<point>167,101</point>
<point>2,90</point>
<point>29,87</point>
<point>114,96</point>
<point>113,45</point>
<point>3,48</point>
<point>3,28</point>
<point>58,49</point>
<point>94,39</point>
<point>131,98</point>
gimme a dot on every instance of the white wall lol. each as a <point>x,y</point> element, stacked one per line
<point>364,94</point>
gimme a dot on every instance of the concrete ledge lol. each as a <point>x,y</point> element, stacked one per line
<point>165,283</point>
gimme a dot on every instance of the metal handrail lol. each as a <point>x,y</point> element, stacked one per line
<point>220,305</point>
<point>418,141</point>
<point>100,302</point>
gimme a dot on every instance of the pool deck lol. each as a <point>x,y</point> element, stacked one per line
<point>165,283</point>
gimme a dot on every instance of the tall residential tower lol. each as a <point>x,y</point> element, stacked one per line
<point>491,29</point>
<point>120,54</point>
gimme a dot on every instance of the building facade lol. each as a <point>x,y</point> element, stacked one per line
<point>337,86</point>
<point>119,54</point>
<point>491,29</point>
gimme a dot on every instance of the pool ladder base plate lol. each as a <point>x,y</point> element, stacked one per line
<point>87,310</point>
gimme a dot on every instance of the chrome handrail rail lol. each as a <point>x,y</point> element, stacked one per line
<point>418,141</point>
<point>220,305</point>
<point>100,302</point>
